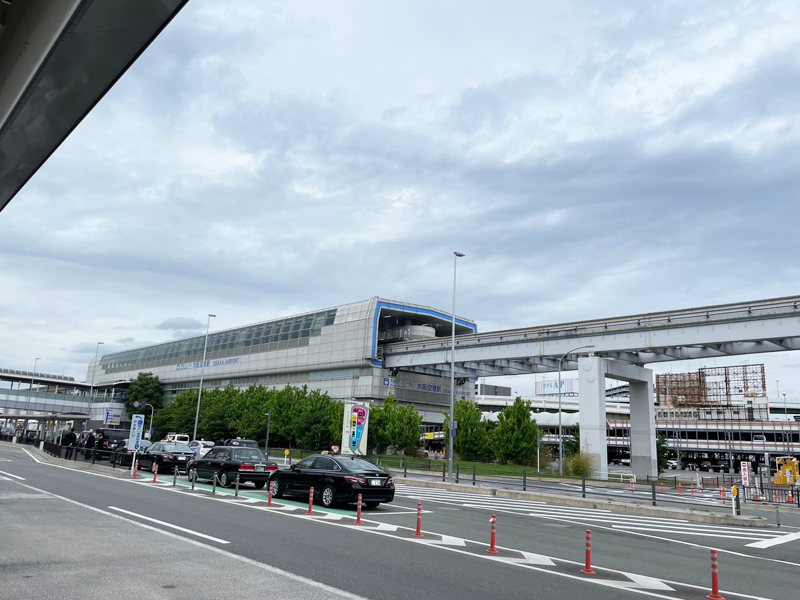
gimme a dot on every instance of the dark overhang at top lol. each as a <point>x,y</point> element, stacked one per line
<point>58,58</point>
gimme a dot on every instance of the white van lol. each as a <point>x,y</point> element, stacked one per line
<point>759,438</point>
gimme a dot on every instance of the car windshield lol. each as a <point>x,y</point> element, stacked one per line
<point>247,454</point>
<point>357,464</point>
<point>176,448</point>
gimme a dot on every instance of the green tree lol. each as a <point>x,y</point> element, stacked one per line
<point>402,426</point>
<point>472,441</point>
<point>516,434</point>
<point>572,443</point>
<point>661,453</point>
<point>377,439</point>
<point>145,388</point>
<point>312,420</point>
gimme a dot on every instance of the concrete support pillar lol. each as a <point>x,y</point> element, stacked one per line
<point>644,460</point>
<point>592,386</point>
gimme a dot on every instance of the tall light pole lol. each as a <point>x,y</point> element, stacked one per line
<point>456,256</point>
<point>28,401</point>
<point>777,385</point>
<point>202,368</point>
<point>269,422</point>
<point>560,436</point>
<point>94,368</point>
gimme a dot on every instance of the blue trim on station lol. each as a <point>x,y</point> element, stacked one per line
<point>413,311</point>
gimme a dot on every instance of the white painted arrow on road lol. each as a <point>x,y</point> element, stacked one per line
<point>446,540</point>
<point>638,582</point>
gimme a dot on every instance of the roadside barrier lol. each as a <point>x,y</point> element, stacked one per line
<point>492,549</point>
<point>358,513</point>
<point>174,477</point>
<point>418,532</point>
<point>135,467</point>
<point>155,473</point>
<point>310,510</point>
<point>269,497</point>
<point>633,482</point>
<point>587,569</point>
<point>714,595</point>
<point>214,485</point>
<point>236,495</point>
<point>193,477</point>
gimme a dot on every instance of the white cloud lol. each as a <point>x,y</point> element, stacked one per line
<point>265,158</point>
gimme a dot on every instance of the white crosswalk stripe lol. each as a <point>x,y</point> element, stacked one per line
<point>584,516</point>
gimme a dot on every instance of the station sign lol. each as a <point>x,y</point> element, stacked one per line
<point>355,428</point>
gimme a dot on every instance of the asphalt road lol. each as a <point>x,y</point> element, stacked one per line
<point>86,527</point>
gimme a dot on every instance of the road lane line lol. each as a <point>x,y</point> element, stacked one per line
<point>289,514</point>
<point>12,475</point>
<point>249,561</point>
<point>789,537</point>
<point>32,456</point>
<point>165,524</point>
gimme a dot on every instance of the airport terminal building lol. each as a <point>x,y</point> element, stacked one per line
<point>335,350</point>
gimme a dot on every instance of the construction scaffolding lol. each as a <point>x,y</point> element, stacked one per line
<point>715,386</point>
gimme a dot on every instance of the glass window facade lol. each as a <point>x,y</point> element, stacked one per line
<point>261,337</point>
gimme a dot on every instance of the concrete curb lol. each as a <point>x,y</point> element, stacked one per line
<point>697,515</point>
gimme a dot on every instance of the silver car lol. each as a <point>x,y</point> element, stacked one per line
<point>200,447</point>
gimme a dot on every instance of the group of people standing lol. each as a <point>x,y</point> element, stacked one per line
<point>70,440</point>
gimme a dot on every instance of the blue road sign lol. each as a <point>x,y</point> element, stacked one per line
<point>137,426</point>
<point>452,433</point>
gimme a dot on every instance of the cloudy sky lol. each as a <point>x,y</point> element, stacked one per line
<point>267,158</point>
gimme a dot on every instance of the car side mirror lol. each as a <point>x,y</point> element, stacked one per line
<point>293,467</point>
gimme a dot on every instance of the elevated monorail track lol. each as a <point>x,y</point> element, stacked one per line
<point>771,325</point>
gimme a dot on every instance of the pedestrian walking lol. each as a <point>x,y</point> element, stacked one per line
<point>69,440</point>
<point>89,445</point>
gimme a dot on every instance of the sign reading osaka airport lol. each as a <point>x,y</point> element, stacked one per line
<point>208,363</point>
<point>401,384</point>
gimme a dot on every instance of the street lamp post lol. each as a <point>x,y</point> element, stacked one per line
<point>269,422</point>
<point>28,401</point>
<point>94,368</point>
<point>456,256</point>
<point>560,435</point>
<point>202,368</point>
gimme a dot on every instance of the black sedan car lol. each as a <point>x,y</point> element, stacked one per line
<point>167,456</point>
<point>226,463</point>
<point>334,479</point>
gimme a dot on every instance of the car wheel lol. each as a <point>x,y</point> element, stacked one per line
<point>153,467</point>
<point>259,484</point>
<point>372,504</point>
<point>192,475</point>
<point>327,496</point>
<point>225,480</point>
<point>275,488</point>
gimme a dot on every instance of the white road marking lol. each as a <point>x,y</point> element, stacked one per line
<point>790,537</point>
<point>585,516</point>
<point>244,559</point>
<point>31,455</point>
<point>12,475</point>
<point>170,525</point>
<point>447,540</point>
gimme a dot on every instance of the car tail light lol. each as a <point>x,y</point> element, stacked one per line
<point>167,456</point>
<point>355,480</point>
<point>247,468</point>
<point>272,467</point>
